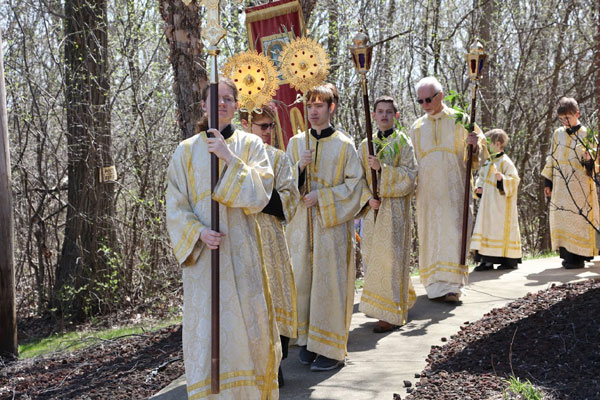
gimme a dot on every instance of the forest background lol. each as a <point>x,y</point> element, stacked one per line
<point>95,83</point>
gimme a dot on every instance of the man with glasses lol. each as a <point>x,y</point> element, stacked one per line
<point>281,208</point>
<point>441,150</point>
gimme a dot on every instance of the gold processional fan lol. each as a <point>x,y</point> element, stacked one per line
<point>255,77</point>
<point>304,64</point>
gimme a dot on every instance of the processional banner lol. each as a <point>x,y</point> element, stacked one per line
<point>270,26</point>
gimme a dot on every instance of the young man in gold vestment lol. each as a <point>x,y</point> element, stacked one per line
<point>324,263</point>
<point>249,341</point>
<point>388,293</point>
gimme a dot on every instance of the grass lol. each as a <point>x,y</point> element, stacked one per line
<point>525,389</point>
<point>71,341</point>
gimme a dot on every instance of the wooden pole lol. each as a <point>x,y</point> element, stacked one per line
<point>465,226</point>
<point>8,313</point>
<point>307,175</point>
<point>369,137</point>
<point>213,123</point>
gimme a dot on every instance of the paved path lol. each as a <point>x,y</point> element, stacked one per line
<point>377,364</point>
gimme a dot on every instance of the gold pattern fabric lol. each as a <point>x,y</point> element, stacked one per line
<point>440,149</point>
<point>249,340</point>
<point>275,248</point>
<point>388,292</point>
<point>573,191</point>
<point>325,289</point>
<point>496,232</point>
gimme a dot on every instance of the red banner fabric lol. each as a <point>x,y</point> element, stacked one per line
<point>270,26</point>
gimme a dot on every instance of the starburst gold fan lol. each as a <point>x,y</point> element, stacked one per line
<point>304,64</point>
<point>255,77</point>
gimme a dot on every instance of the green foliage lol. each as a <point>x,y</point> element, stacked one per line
<point>525,389</point>
<point>590,142</point>
<point>390,147</point>
<point>457,102</point>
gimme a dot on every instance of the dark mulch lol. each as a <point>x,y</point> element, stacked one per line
<point>132,367</point>
<point>551,338</point>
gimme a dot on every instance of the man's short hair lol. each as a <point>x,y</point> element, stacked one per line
<point>498,135</point>
<point>386,99</point>
<point>567,105</point>
<point>429,81</point>
<point>322,93</point>
<point>334,91</point>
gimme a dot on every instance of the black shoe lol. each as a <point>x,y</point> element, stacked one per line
<point>484,266</point>
<point>574,266</point>
<point>506,266</point>
<point>306,357</point>
<point>280,380</point>
<point>323,363</point>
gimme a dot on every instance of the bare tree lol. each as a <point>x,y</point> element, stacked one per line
<point>8,315</point>
<point>89,255</point>
<point>182,30</point>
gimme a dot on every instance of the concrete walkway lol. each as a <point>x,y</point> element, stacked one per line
<point>377,364</point>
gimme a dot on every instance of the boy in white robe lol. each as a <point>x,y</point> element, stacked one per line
<point>496,236</point>
<point>570,185</point>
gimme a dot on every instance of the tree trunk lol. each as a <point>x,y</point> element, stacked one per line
<point>547,130</point>
<point>333,39</point>
<point>182,30</point>
<point>487,90</point>
<point>89,258</point>
<point>8,315</point>
<point>307,8</point>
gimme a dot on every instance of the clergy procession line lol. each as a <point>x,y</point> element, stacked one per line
<point>278,284</point>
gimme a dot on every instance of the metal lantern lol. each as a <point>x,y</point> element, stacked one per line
<point>475,60</point>
<point>361,52</point>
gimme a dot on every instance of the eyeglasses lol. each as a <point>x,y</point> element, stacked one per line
<point>428,99</point>
<point>265,126</point>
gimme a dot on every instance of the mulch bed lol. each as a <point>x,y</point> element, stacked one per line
<point>551,338</point>
<point>132,367</point>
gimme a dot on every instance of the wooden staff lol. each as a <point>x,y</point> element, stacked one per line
<point>369,138</point>
<point>362,54</point>
<point>475,59</point>
<point>307,176</point>
<point>465,226</point>
<point>213,123</point>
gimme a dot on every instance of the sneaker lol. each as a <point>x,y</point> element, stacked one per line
<point>306,357</point>
<point>280,380</point>
<point>484,266</point>
<point>506,266</point>
<point>323,363</point>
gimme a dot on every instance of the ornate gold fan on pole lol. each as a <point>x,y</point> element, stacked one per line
<point>305,64</point>
<point>255,77</point>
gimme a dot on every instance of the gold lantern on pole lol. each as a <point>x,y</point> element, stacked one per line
<point>475,61</point>
<point>362,53</point>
